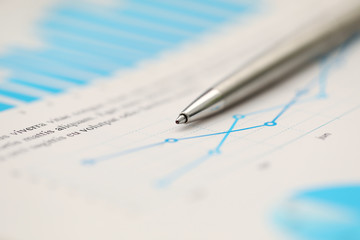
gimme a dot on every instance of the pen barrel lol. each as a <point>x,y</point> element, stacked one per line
<point>290,55</point>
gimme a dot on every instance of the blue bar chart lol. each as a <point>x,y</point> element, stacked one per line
<point>85,43</point>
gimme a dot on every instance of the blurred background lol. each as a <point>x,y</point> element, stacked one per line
<point>50,47</point>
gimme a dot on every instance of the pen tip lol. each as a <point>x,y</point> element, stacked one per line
<point>181,119</point>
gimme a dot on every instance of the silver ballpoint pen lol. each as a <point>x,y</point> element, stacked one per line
<point>284,58</point>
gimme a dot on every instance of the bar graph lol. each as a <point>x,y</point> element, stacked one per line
<point>82,44</point>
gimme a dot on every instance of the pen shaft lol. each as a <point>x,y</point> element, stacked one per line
<point>281,60</point>
<point>289,55</point>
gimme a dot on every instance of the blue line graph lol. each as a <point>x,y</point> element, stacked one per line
<point>218,147</point>
<point>320,81</point>
<point>86,42</point>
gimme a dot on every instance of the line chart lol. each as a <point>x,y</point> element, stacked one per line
<point>301,96</point>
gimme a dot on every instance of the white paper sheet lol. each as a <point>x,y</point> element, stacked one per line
<point>89,149</point>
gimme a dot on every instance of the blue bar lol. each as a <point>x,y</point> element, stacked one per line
<point>118,23</point>
<point>21,63</point>
<point>36,86</point>
<point>151,17</point>
<point>41,79</point>
<point>104,37</point>
<point>65,78</point>
<point>186,11</point>
<point>51,62</point>
<point>116,54</point>
<point>227,6</point>
<point>80,60</point>
<point>18,96</point>
<point>56,57</point>
<point>4,106</point>
<point>120,57</point>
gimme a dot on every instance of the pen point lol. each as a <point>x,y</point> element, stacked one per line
<point>181,119</point>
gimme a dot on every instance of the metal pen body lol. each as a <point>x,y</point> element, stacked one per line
<point>283,59</point>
